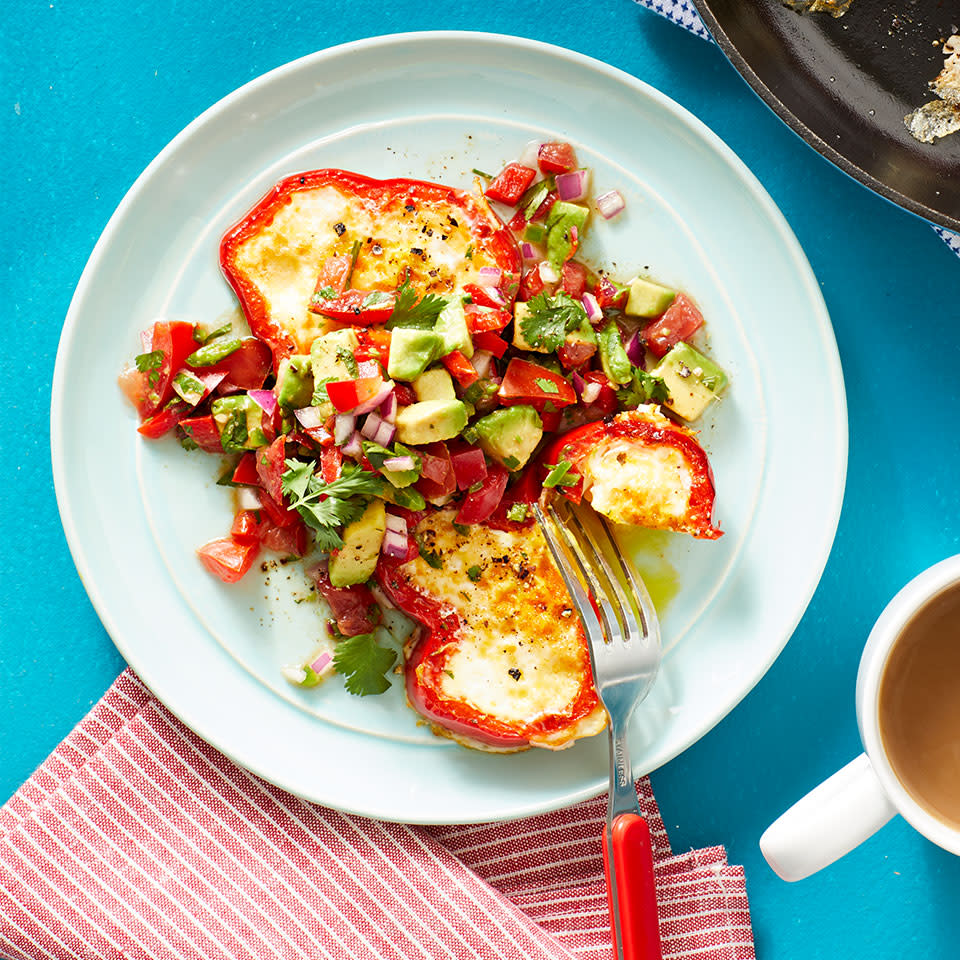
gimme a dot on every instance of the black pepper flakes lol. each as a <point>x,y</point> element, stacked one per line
<point>416,251</point>
<point>453,222</point>
<point>515,673</point>
<point>409,208</point>
<point>339,229</point>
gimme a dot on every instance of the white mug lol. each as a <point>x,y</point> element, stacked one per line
<point>860,798</point>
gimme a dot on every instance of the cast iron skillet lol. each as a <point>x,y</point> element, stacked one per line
<point>845,85</point>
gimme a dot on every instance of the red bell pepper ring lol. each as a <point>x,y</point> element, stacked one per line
<point>601,454</point>
<point>479,504</point>
<point>488,340</point>
<point>510,184</point>
<point>361,308</point>
<point>406,205</point>
<point>678,322</point>
<point>227,558</point>
<point>460,368</point>
<point>526,382</point>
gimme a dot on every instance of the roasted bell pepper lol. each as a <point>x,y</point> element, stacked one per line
<point>640,468</point>
<point>430,235</point>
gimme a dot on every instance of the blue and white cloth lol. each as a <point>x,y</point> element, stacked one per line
<point>684,14</point>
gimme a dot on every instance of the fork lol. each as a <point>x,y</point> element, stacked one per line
<point>624,639</point>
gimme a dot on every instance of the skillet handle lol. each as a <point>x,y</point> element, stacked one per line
<point>627,843</point>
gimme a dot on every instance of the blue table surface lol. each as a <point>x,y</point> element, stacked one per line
<point>94,91</point>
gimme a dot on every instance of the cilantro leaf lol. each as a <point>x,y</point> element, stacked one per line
<point>149,361</point>
<point>408,311</point>
<point>560,475</point>
<point>375,299</point>
<point>550,318</point>
<point>474,573</point>
<point>643,388</point>
<point>363,664</point>
<point>547,386</point>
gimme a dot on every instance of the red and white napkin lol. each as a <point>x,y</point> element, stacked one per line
<point>137,840</point>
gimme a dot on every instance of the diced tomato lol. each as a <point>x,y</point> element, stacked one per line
<point>278,512</point>
<point>227,558</point>
<point>480,319</point>
<point>331,463</point>
<point>528,487</point>
<point>608,294</point>
<point>163,422</point>
<point>518,222</point>
<point>354,608</point>
<point>479,504</point>
<point>136,389</point>
<point>358,307</point>
<point>678,322</point>
<point>405,394</point>
<point>270,467</point>
<point>573,278</point>
<point>246,368</point>
<point>437,478</point>
<point>510,184</point>
<point>460,368</point>
<point>469,464</point>
<point>484,296</point>
<point>293,540</point>
<point>151,389</point>
<point>373,344</point>
<point>246,527</point>
<point>488,340</point>
<point>548,201</point>
<point>526,382</point>
<point>345,395</point>
<point>606,402</point>
<point>246,472</point>
<point>550,420</point>
<point>203,432</point>
<point>575,353</point>
<point>557,157</point>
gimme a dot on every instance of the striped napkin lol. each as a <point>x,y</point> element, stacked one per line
<point>684,13</point>
<point>137,840</point>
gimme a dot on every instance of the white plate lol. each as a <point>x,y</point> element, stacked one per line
<point>433,106</point>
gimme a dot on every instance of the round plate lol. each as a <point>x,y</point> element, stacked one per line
<point>134,511</point>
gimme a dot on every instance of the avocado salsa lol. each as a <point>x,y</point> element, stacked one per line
<point>445,386</point>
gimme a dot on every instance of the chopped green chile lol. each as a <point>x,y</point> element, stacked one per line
<point>214,351</point>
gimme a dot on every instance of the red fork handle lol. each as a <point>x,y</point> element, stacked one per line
<point>636,892</point>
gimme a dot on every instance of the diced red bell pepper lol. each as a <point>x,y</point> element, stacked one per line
<point>271,466</point>
<point>346,395</point>
<point>526,382</point>
<point>478,505</point>
<point>531,284</point>
<point>331,463</point>
<point>488,340</point>
<point>227,558</point>
<point>164,421</point>
<point>437,479</point>
<point>573,278</point>
<point>557,157</point>
<point>484,296</point>
<point>358,307</point>
<point>678,322</point>
<point>469,464</point>
<point>246,472</point>
<point>480,319</point>
<point>460,368</point>
<point>518,222</point>
<point>510,184</point>
<point>203,432</point>
<point>246,527</point>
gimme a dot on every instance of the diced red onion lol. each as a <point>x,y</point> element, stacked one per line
<point>322,662</point>
<point>636,350</point>
<point>396,464</point>
<point>343,427</point>
<point>394,544</point>
<point>385,390</point>
<point>577,382</point>
<point>491,275</point>
<point>309,417</point>
<point>531,252</point>
<point>353,448</point>
<point>385,433</point>
<point>591,390</point>
<point>530,155</point>
<point>481,362</point>
<point>610,204</point>
<point>573,186</point>
<point>265,399</point>
<point>590,304</point>
<point>248,499</point>
<point>547,273</point>
<point>388,409</point>
<point>371,425</point>
<point>397,523</point>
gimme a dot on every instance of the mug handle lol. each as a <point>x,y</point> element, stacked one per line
<point>828,822</point>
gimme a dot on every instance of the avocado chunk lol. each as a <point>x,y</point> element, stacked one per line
<point>405,497</point>
<point>648,299</point>
<point>562,217</point>
<point>435,384</point>
<point>520,312</point>
<point>331,358</point>
<point>431,420</point>
<point>412,351</point>
<point>613,357</point>
<point>295,382</point>
<point>693,380</point>
<point>356,560</point>
<point>510,435</point>
<point>451,328</point>
<point>399,478</point>
<point>240,422</point>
